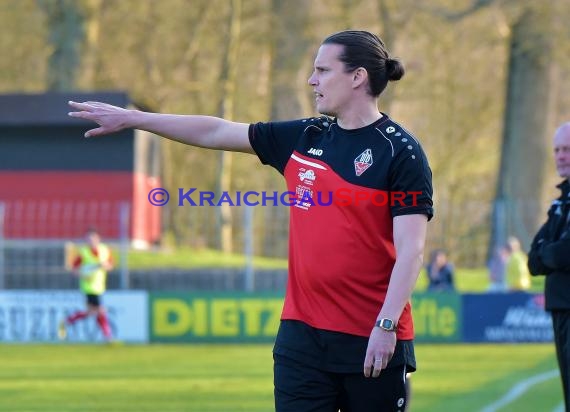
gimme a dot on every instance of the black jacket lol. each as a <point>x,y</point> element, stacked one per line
<point>550,252</point>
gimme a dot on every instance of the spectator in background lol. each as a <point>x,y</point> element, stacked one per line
<point>440,272</point>
<point>518,276</point>
<point>498,269</point>
<point>91,266</point>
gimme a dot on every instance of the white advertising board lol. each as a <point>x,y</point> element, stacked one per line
<point>34,316</point>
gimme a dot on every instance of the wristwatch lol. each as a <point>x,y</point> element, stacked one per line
<point>387,324</point>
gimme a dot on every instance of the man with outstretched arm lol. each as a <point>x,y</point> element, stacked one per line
<point>345,340</point>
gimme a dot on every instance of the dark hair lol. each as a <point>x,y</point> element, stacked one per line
<point>435,253</point>
<point>364,49</point>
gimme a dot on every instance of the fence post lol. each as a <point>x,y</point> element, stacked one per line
<point>2,247</point>
<point>248,249</point>
<point>124,215</point>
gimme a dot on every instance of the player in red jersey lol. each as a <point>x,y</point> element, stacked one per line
<point>346,336</point>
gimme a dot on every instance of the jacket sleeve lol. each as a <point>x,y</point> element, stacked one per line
<point>557,255</point>
<point>536,264</point>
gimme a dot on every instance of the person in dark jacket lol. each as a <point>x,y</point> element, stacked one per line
<point>440,272</point>
<point>550,256</point>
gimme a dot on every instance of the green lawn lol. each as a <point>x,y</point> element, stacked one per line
<point>224,378</point>
<point>466,377</point>
<point>188,258</point>
<point>466,280</point>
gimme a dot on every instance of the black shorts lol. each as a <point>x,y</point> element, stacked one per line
<point>93,300</point>
<point>333,351</point>
<point>303,388</point>
<point>323,371</point>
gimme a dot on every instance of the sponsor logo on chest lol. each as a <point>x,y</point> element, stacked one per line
<point>306,176</point>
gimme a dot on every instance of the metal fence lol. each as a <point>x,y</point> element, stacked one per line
<point>37,238</point>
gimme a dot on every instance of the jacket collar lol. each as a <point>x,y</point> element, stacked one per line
<point>564,187</point>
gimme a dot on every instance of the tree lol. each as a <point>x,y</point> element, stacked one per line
<point>23,48</point>
<point>528,115</point>
<point>290,46</point>
<point>228,78</point>
<point>393,15</point>
<point>65,21</point>
<point>527,122</point>
<point>91,54</point>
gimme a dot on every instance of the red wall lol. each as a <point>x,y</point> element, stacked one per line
<point>51,204</point>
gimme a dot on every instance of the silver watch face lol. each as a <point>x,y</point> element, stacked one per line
<point>387,324</point>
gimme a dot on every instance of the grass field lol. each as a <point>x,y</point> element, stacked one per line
<point>188,258</point>
<point>466,280</point>
<point>227,378</point>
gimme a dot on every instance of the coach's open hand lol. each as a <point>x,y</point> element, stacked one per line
<point>110,118</point>
<point>381,346</point>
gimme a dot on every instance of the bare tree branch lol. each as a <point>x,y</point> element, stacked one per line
<point>445,14</point>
